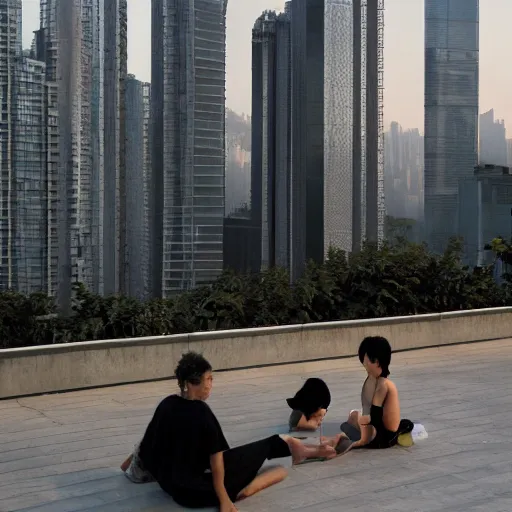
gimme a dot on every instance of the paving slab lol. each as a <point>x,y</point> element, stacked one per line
<point>61,452</point>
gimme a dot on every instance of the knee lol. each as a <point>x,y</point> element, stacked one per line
<point>353,417</point>
<point>363,420</point>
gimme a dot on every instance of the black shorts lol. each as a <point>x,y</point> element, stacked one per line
<point>383,439</point>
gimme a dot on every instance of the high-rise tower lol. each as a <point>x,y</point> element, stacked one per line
<point>10,52</point>
<point>271,136</point>
<point>138,171</point>
<point>451,111</point>
<point>337,127</point>
<point>188,149</point>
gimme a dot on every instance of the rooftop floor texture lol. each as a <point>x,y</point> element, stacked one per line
<point>61,453</point>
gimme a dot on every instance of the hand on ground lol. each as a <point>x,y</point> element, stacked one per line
<point>228,507</point>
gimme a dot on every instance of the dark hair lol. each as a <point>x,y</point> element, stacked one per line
<point>313,395</point>
<point>191,368</point>
<point>378,350</point>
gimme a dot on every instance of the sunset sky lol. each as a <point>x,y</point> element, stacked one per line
<point>403,53</point>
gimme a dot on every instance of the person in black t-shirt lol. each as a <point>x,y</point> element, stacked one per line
<point>185,451</point>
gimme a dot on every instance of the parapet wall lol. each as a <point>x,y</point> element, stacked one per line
<point>65,367</point>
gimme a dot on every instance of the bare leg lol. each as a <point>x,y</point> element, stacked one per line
<point>300,452</point>
<point>263,481</point>
<point>126,464</point>
<point>368,433</point>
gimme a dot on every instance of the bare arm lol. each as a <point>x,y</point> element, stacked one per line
<point>314,421</point>
<point>381,393</point>
<point>368,431</point>
<point>217,467</point>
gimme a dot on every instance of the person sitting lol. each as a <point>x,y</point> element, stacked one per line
<point>379,425</point>
<point>185,451</point>
<point>309,405</point>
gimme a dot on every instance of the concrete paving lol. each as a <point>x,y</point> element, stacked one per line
<point>61,453</point>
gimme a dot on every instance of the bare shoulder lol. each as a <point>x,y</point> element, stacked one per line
<point>386,386</point>
<point>390,386</point>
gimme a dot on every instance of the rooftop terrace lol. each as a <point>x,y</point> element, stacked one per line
<point>62,452</point>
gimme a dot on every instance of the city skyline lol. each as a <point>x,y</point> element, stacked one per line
<point>403,43</point>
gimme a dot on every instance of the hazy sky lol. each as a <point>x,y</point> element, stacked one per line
<point>403,54</point>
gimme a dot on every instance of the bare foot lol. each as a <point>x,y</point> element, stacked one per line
<point>126,464</point>
<point>332,441</point>
<point>263,481</point>
<point>300,452</point>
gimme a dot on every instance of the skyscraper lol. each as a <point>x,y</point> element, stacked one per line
<point>271,136</point>
<point>23,183</point>
<point>10,52</point>
<point>492,140</point>
<point>138,170</point>
<point>67,41</point>
<point>85,74</point>
<point>29,187</point>
<point>337,188</point>
<point>188,143</point>
<point>114,178</point>
<point>509,152</point>
<point>451,111</point>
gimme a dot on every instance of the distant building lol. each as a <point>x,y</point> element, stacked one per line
<point>271,137</point>
<point>84,46</point>
<point>29,206</point>
<point>451,111</point>
<point>509,152</point>
<point>403,172</point>
<point>335,183</point>
<point>188,143</point>
<point>24,227</point>
<point>492,140</point>
<point>241,243</point>
<point>484,210</point>
<point>238,162</point>
<point>10,53</point>
<point>138,171</point>
<point>114,179</point>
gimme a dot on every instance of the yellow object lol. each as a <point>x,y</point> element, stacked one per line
<point>405,440</point>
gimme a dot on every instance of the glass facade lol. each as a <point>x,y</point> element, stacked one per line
<point>28,200</point>
<point>138,168</point>
<point>271,143</point>
<point>338,120</point>
<point>188,112</point>
<point>10,51</point>
<point>337,127</point>
<point>307,189</point>
<point>451,111</point>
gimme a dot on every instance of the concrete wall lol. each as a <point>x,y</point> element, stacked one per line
<point>33,370</point>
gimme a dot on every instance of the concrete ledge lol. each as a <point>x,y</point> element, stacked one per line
<point>63,367</point>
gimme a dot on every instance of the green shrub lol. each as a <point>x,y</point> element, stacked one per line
<point>394,280</point>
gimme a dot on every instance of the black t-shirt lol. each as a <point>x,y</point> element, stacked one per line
<point>178,443</point>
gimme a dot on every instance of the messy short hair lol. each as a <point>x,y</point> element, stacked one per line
<point>378,350</point>
<point>191,368</point>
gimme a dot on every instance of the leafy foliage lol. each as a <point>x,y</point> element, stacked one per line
<point>396,279</point>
